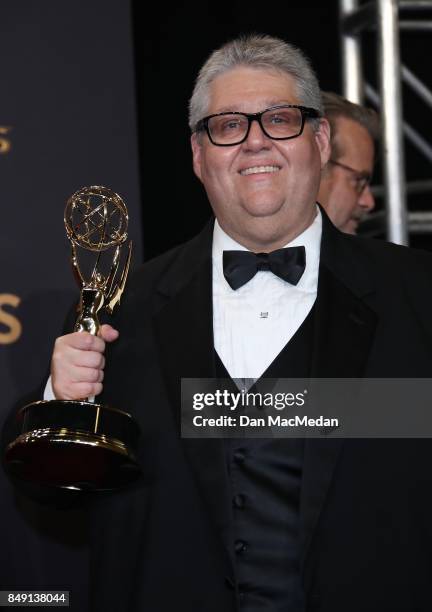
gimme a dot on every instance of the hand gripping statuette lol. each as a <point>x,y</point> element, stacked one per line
<point>80,444</point>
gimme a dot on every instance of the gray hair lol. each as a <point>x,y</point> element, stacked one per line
<point>262,52</point>
<point>337,106</point>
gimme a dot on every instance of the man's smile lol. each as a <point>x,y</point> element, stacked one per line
<point>259,170</point>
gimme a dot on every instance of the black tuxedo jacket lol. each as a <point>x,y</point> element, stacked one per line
<point>366,505</point>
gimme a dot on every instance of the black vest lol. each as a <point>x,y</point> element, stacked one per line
<point>265,479</point>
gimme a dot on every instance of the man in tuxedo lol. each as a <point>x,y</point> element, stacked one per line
<point>270,524</point>
<point>345,184</point>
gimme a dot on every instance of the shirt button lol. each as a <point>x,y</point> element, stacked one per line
<point>239,501</point>
<point>239,455</point>
<point>240,546</point>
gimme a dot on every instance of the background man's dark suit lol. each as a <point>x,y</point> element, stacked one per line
<point>365,504</point>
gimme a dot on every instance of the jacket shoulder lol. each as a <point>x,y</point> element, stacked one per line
<point>398,258</point>
<point>169,270</point>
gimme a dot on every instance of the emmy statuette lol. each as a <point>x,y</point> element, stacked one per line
<point>80,444</point>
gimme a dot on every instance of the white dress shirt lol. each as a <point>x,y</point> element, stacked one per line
<point>253,323</point>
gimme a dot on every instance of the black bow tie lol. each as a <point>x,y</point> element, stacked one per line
<point>241,266</point>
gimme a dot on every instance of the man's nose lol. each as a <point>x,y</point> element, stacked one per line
<point>366,199</point>
<point>256,139</point>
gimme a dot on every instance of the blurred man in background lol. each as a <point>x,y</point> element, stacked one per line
<point>345,185</point>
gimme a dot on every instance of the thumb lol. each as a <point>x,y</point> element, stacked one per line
<point>108,333</point>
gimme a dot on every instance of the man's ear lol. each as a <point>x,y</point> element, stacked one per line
<point>196,154</point>
<point>322,137</point>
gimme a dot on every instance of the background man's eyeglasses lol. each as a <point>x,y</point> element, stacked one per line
<point>361,180</point>
<point>278,122</point>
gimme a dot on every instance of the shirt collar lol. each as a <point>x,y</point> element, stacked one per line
<point>310,238</point>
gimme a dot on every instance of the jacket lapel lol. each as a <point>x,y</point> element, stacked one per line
<point>184,332</point>
<point>344,332</point>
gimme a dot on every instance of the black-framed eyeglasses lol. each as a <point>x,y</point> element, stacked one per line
<point>277,122</point>
<point>361,179</point>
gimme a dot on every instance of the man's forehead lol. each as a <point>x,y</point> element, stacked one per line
<point>245,106</point>
<point>350,134</point>
<point>354,144</point>
<point>246,89</point>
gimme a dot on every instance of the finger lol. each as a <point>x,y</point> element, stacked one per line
<point>84,390</point>
<point>108,333</point>
<point>80,340</point>
<point>84,375</point>
<point>87,359</point>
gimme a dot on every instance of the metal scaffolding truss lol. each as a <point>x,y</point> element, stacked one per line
<point>383,17</point>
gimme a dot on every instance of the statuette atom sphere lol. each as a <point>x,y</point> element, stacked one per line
<point>96,218</point>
